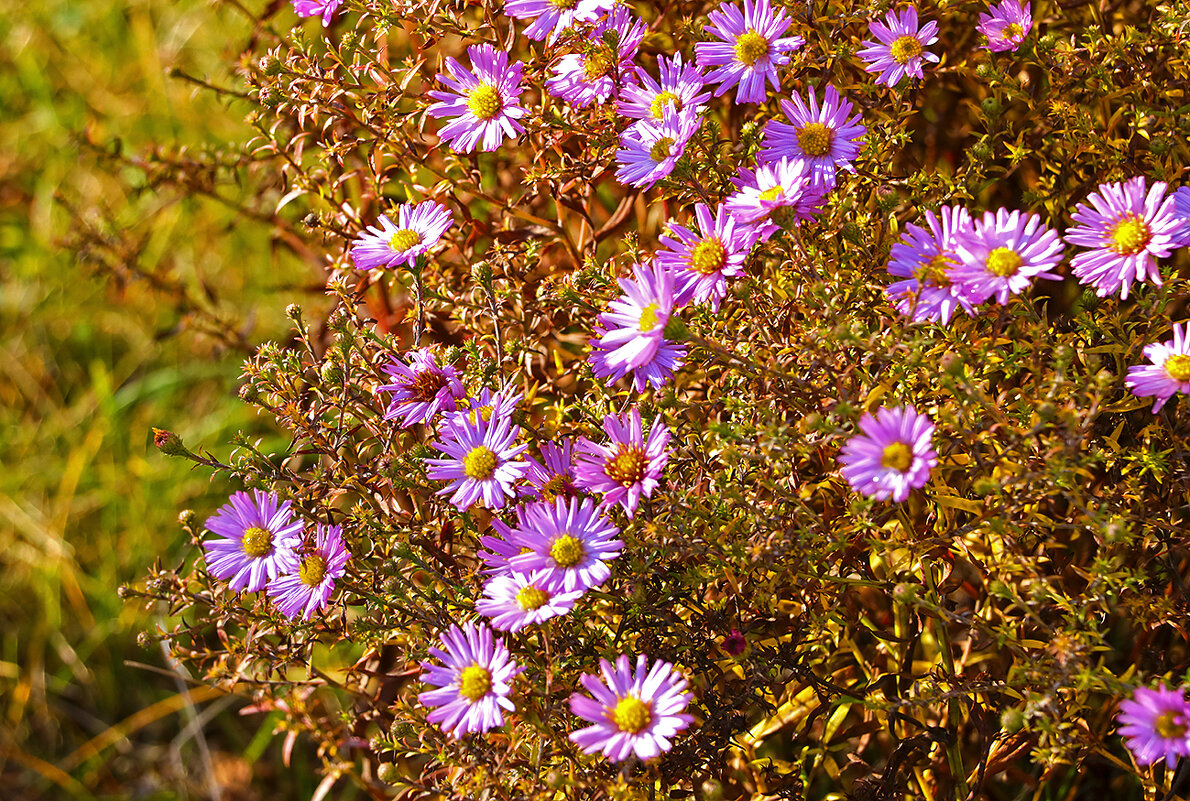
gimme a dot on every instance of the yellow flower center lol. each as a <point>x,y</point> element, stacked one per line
<point>555,487</point>
<point>484,101</point>
<point>660,101</point>
<point>258,542</point>
<point>1178,367</point>
<point>475,682</point>
<point>567,551</point>
<point>897,456</point>
<point>708,256</point>
<point>905,48</point>
<point>814,139</point>
<point>933,272</point>
<point>773,193</point>
<point>1130,235</point>
<point>628,465</point>
<point>597,65</point>
<point>1011,31</point>
<point>484,413</point>
<point>404,239</point>
<point>750,47</point>
<point>631,715</point>
<point>312,570</point>
<point>480,463</point>
<point>1004,262</point>
<point>648,318</point>
<point>530,598</point>
<point>660,149</point>
<point>564,5</point>
<point>1167,726</point>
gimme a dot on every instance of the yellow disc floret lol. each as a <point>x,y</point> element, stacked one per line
<point>312,570</point>
<point>708,256</point>
<point>564,5</point>
<point>628,465</point>
<point>659,102</point>
<point>648,318</point>
<point>898,456</point>
<point>567,551</point>
<point>1168,727</point>
<point>404,239</point>
<point>750,47</point>
<point>530,598</point>
<point>905,48</point>
<point>597,65</point>
<point>631,715</point>
<point>258,542</point>
<point>661,148</point>
<point>1178,367</point>
<point>1004,262</point>
<point>554,487</point>
<point>480,463</point>
<point>475,682</point>
<point>772,193</point>
<point>814,139</point>
<point>484,101</point>
<point>1012,31</point>
<point>933,272</point>
<point>1130,235</point>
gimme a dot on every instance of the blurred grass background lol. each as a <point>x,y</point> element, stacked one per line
<point>88,365</point>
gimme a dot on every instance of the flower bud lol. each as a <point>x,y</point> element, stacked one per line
<point>169,443</point>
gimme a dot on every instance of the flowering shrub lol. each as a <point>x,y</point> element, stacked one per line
<point>619,366</point>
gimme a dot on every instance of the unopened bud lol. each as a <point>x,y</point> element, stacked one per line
<point>169,443</point>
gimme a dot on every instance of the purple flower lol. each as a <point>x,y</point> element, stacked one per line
<point>634,711</point>
<point>1169,372</point>
<point>500,550</point>
<point>517,600</point>
<point>259,537</point>
<point>551,17</point>
<point>821,135</point>
<point>702,263</point>
<point>1154,724</point>
<point>314,8</point>
<point>570,539</point>
<point>480,463</point>
<point>489,405</point>
<point>554,476</point>
<point>649,150</point>
<point>891,455</point>
<point>1181,209</point>
<point>303,593</point>
<point>786,184</point>
<point>418,228</point>
<point>1006,25</point>
<point>900,50</point>
<point>421,389</point>
<point>1002,254</point>
<point>924,258</point>
<point>474,681</point>
<point>605,66</point>
<point>627,468</point>
<point>1129,230</point>
<point>484,103</point>
<point>631,336</point>
<point>680,87</point>
<point>750,49</point>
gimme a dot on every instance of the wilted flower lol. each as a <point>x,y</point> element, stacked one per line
<point>474,681</point>
<point>1006,25</point>
<point>304,592</point>
<point>631,335</point>
<point>633,711</point>
<point>892,455</point>
<point>418,228</point>
<point>750,49</point>
<point>1002,254</point>
<point>649,150</point>
<point>480,463</point>
<point>259,536</point>
<point>551,17</point>
<point>1169,372</point>
<point>924,258</point>
<point>484,103</point>
<point>570,539</point>
<point>821,135</point>
<point>680,88</point>
<point>628,468</point>
<point>900,49</point>
<point>605,66</point>
<point>421,388</point>
<point>702,263</point>
<point>1155,724</point>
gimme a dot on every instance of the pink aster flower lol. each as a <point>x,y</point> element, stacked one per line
<point>570,539</point>
<point>473,681</point>
<point>317,8</point>
<point>553,477</point>
<point>650,150</point>
<point>892,455</point>
<point>628,468</point>
<point>304,592</point>
<point>489,405</point>
<point>681,88</point>
<point>821,135</point>
<point>787,189</point>
<point>1002,254</point>
<point>484,103</point>
<point>633,711</point>
<point>1181,209</point>
<point>631,335</point>
<point>901,46</point>
<point>421,388</point>
<point>497,552</point>
<point>1154,724</point>
<point>605,66</point>
<point>1129,230</point>
<point>924,259</point>
<point>480,462</point>
<point>1006,25</point>
<point>517,600</point>
<point>1169,372</point>
<point>749,50</point>
<point>551,17</point>
<point>259,534</point>
<point>703,262</point>
<point>418,228</point>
